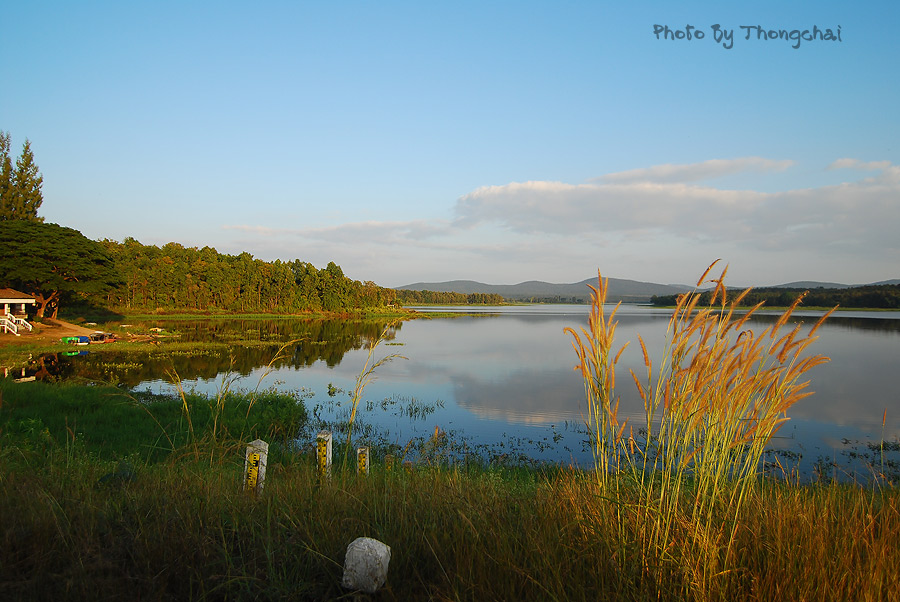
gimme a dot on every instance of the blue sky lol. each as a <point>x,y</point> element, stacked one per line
<point>494,141</point>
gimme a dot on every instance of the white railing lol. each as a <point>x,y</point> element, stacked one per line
<point>8,325</point>
<point>11,323</point>
<point>20,322</point>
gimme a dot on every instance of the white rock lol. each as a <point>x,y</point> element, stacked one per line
<point>366,565</point>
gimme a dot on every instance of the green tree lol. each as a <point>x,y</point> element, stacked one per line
<point>50,261</point>
<point>334,287</point>
<point>20,189</point>
<point>6,177</point>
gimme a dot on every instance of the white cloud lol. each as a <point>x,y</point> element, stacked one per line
<point>855,217</point>
<point>533,207</point>
<point>355,232</point>
<point>649,227</point>
<point>695,172</point>
<point>857,164</point>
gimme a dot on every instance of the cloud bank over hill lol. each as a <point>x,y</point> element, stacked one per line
<point>670,219</point>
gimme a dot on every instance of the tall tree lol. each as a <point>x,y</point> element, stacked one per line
<point>28,181</point>
<point>20,189</point>
<point>6,177</point>
<point>50,261</point>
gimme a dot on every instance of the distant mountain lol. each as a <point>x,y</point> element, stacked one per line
<point>809,284</point>
<point>631,291</point>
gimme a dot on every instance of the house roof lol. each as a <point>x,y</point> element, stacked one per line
<point>8,295</point>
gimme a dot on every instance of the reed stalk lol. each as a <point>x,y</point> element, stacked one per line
<point>719,394</point>
<point>366,376</point>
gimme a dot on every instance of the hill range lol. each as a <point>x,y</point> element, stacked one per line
<point>628,291</point>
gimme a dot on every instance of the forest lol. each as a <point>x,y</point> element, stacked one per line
<point>60,266</point>
<point>873,296</point>
<point>411,297</point>
<point>174,277</point>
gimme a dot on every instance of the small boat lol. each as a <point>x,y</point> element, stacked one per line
<point>76,340</point>
<point>102,337</point>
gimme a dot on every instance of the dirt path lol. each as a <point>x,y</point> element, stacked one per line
<point>50,331</point>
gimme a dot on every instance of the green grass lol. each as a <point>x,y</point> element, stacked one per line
<point>183,529</point>
<point>106,494</point>
<point>113,423</point>
<point>179,526</point>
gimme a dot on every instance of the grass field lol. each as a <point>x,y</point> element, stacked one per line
<point>108,494</point>
<point>107,497</point>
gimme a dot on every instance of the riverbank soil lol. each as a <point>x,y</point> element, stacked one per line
<point>46,332</point>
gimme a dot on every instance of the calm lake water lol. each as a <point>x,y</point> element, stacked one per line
<point>502,377</point>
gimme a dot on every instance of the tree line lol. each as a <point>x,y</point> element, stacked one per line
<point>873,296</point>
<point>425,297</point>
<point>174,277</point>
<point>60,265</point>
<point>57,264</point>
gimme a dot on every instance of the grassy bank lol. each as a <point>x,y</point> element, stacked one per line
<point>360,313</point>
<point>111,423</point>
<point>110,494</point>
<point>107,496</point>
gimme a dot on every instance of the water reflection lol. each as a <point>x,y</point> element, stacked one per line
<point>508,372</point>
<point>324,341</point>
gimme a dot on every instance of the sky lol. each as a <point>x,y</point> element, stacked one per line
<point>491,141</point>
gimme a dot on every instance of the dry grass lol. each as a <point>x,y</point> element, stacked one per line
<point>183,530</point>
<point>712,404</point>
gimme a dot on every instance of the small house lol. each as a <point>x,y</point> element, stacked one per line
<point>13,302</point>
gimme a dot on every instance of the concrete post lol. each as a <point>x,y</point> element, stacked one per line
<point>323,453</point>
<point>255,460</point>
<point>362,461</point>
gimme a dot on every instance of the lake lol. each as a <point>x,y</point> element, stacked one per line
<point>501,379</point>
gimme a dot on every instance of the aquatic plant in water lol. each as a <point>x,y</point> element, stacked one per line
<point>366,376</point>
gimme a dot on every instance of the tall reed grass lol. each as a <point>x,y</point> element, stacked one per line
<point>216,439</point>
<point>363,379</point>
<point>712,403</point>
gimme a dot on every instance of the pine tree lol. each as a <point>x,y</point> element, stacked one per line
<point>28,182</point>
<point>6,175</point>
<point>20,188</point>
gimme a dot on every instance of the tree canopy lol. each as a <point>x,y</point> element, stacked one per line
<point>50,261</point>
<point>872,296</point>
<point>20,187</point>
<point>174,277</point>
<point>426,297</point>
